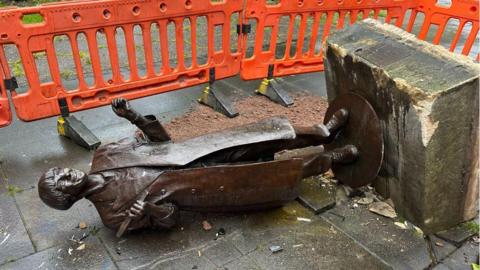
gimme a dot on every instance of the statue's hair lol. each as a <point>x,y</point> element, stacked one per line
<point>50,195</point>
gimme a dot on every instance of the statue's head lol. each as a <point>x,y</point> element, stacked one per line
<point>60,188</point>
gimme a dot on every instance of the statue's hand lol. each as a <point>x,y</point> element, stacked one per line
<point>137,210</point>
<point>121,107</point>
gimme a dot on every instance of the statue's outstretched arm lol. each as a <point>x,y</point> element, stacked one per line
<point>148,124</point>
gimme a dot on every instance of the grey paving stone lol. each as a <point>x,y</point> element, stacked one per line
<point>402,249</point>
<point>457,234</point>
<point>151,245</point>
<point>243,263</point>
<point>441,248</point>
<point>221,252</point>
<point>183,261</point>
<point>93,256</point>
<point>316,245</point>
<point>463,257</point>
<point>14,240</point>
<point>316,197</point>
<point>49,227</point>
<point>313,83</point>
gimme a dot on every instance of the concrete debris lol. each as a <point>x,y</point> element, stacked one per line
<point>382,209</point>
<point>401,225</point>
<point>365,200</point>
<point>275,249</point>
<point>206,225</point>
<point>304,219</point>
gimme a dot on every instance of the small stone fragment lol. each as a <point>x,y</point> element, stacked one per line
<point>206,225</point>
<point>401,225</point>
<point>440,244</point>
<point>70,251</point>
<point>365,200</point>
<point>275,249</point>
<point>82,225</point>
<point>81,247</point>
<point>304,219</point>
<point>383,209</point>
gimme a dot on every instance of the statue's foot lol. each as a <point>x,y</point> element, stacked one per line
<point>321,130</point>
<point>345,155</point>
<point>338,120</point>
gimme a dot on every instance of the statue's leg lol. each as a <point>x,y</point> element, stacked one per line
<point>324,133</point>
<point>317,161</point>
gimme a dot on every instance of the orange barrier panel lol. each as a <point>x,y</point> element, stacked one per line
<point>465,12</point>
<point>5,112</point>
<point>297,48</point>
<point>172,26</point>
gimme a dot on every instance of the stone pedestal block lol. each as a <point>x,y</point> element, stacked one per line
<point>427,101</point>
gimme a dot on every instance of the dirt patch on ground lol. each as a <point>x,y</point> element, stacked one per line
<point>306,111</point>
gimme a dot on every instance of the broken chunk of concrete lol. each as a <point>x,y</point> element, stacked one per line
<point>427,101</point>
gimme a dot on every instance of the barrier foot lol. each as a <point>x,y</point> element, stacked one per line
<point>74,129</point>
<point>272,89</point>
<point>217,101</point>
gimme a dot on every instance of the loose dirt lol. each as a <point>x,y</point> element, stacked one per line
<point>306,111</point>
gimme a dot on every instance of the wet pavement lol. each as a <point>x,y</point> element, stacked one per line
<point>348,236</point>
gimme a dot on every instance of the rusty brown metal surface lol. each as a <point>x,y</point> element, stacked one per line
<point>123,154</point>
<point>230,187</point>
<point>361,130</point>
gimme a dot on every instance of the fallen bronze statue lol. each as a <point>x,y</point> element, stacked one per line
<point>143,183</point>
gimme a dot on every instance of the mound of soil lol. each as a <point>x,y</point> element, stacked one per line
<point>306,111</point>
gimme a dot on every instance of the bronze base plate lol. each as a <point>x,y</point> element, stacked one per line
<point>362,130</point>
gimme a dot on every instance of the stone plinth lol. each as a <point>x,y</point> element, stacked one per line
<point>427,101</point>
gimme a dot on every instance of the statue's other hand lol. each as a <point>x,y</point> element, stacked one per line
<point>121,107</point>
<point>137,210</point>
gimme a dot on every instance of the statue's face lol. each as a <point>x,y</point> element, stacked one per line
<point>70,180</point>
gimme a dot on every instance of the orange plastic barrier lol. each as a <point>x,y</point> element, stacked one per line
<point>91,19</point>
<point>310,22</point>
<point>170,57</point>
<point>5,112</point>
<point>465,11</point>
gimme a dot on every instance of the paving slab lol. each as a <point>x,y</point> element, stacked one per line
<point>463,257</point>
<point>441,248</point>
<point>315,246</point>
<point>401,249</point>
<point>221,252</point>
<point>49,227</point>
<point>14,240</point>
<point>185,260</point>
<point>93,256</point>
<point>457,234</point>
<point>243,263</point>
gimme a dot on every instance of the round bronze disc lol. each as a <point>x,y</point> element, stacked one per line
<point>361,130</point>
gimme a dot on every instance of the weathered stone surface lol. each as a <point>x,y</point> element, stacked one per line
<point>458,234</point>
<point>463,257</point>
<point>14,240</point>
<point>316,196</point>
<point>66,256</point>
<point>427,101</point>
<point>399,248</point>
